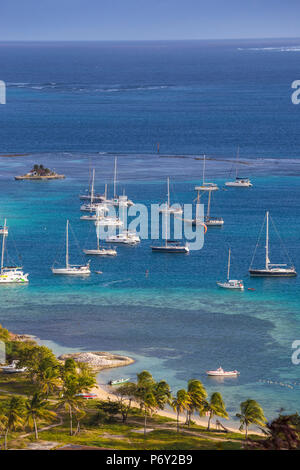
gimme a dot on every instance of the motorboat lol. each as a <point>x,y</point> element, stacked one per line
<point>222,373</point>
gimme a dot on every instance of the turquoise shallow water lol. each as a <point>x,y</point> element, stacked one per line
<point>73,106</point>
<point>175,322</point>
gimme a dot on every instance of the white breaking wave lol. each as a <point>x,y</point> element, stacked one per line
<point>273,49</point>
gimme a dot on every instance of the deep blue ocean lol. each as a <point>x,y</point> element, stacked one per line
<point>73,107</point>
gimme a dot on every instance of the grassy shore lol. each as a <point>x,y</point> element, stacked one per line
<point>161,434</point>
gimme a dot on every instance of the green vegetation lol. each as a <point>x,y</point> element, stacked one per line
<point>46,403</point>
<point>251,413</point>
<point>214,407</point>
<point>40,170</point>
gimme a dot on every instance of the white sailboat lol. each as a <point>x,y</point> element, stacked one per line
<point>89,196</point>
<point>239,182</point>
<point>167,208</point>
<point>71,269</point>
<point>205,186</point>
<point>92,205</point>
<point>271,269</point>
<point>126,237</point>
<point>10,274</point>
<point>231,283</point>
<point>118,201</point>
<point>99,251</point>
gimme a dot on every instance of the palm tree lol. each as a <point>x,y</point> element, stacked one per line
<point>14,416</point>
<point>149,404</point>
<point>70,399</point>
<point>197,395</point>
<point>151,395</point>
<point>49,380</point>
<point>162,394</point>
<point>36,409</point>
<point>251,413</point>
<point>214,407</point>
<point>3,420</point>
<point>181,403</point>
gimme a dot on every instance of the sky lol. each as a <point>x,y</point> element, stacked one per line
<point>147,19</point>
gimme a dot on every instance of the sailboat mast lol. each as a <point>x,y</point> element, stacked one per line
<point>97,233</point>
<point>237,161</point>
<point>208,205</point>
<point>203,175</point>
<point>115,178</point>
<point>197,206</point>
<point>92,191</point>
<point>267,241</point>
<point>228,269</point>
<point>3,245</point>
<point>168,192</point>
<point>67,245</point>
<point>166,227</point>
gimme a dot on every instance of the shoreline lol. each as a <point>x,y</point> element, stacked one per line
<point>103,394</point>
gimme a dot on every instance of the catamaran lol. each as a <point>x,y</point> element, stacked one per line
<point>239,181</point>
<point>10,274</point>
<point>205,186</point>
<point>272,269</point>
<point>167,208</point>
<point>3,230</point>
<point>71,269</point>
<point>231,283</point>
<point>127,237</point>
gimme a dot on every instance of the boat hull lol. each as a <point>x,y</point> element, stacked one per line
<point>14,278</point>
<point>170,249</point>
<point>233,184</point>
<point>224,374</point>
<point>226,285</point>
<point>102,252</point>
<point>272,273</point>
<point>214,223</point>
<point>71,272</point>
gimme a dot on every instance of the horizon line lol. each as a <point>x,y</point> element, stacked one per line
<point>156,40</point>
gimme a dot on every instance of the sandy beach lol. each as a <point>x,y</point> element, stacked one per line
<point>103,394</point>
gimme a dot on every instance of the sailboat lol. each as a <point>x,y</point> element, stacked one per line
<point>89,196</point>
<point>231,283</point>
<point>92,204</point>
<point>100,251</point>
<point>118,201</point>
<point>10,274</point>
<point>271,269</point>
<point>239,181</point>
<point>167,207</point>
<point>170,246</point>
<point>209,221</point>
<point>71,269</point>
<point>205,185</point>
